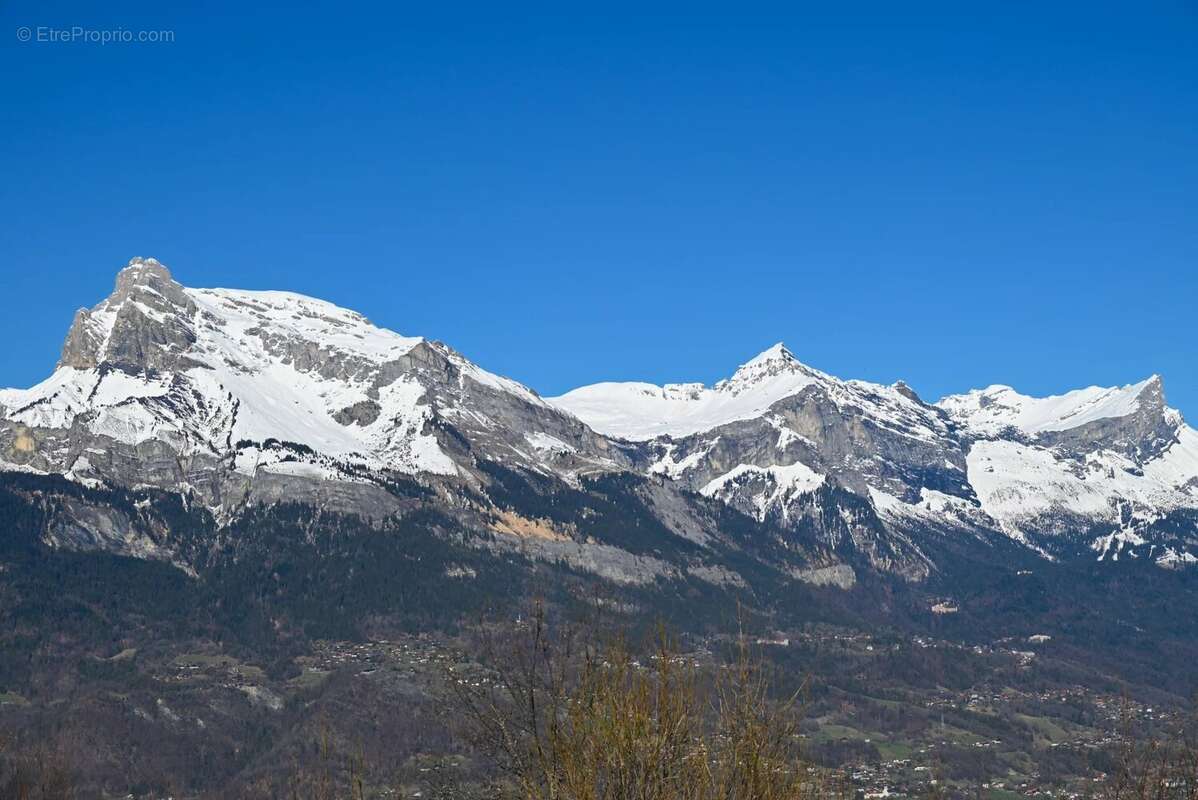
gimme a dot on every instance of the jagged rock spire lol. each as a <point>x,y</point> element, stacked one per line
<point>144,324</point>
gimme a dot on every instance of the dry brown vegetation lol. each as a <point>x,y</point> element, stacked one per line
<point>563,718</point>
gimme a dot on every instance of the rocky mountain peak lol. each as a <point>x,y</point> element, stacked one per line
<point>1153,392</point>
<point>206,374</point>
<point>144,324</point>
<point>142,271</point>
<point>906,391</point>
<point>776,358</point>
<point>771,363</point>
<point>778,352</point>
<point>1140,426</point>
<point>148,280</point>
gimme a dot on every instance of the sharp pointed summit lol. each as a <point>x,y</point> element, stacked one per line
<point>777,353</point>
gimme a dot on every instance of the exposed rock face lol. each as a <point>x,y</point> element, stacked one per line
<point>363,412</point>
<point>1144,434</point>
<point>840,576</point>
<point>831,438</point>
<point>145,324</point>
<point>767,457</point>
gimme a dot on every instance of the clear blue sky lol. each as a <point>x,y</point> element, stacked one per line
<point>954,194</point>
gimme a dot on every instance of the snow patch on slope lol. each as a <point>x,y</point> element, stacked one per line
<point>777,484</point>
<point>54,402</point>
<point>236,313</point>
<point>1019,484</point>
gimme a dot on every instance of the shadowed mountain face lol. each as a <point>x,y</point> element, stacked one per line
<point>238,400</point>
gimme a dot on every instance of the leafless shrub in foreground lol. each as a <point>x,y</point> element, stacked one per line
<point>564,718</point>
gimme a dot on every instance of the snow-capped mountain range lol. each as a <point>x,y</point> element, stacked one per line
<point>237,398</point>
<point>1115,460</point>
